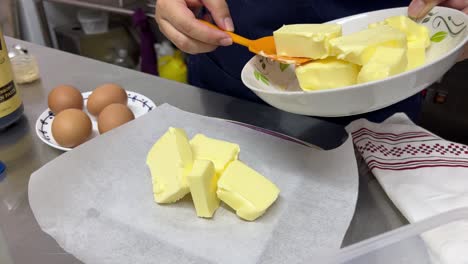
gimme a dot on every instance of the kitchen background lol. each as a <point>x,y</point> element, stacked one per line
<point>104,30</point>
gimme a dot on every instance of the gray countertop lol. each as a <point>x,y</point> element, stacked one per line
<point>21,239</point>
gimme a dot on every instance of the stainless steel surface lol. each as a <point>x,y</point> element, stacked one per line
<point>44,24</point>
<point>9,18</point>
<point>127,10</point>
<point>24,153</point>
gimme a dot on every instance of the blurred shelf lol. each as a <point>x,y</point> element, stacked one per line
<point>122,9</point>
<point>151,3</point>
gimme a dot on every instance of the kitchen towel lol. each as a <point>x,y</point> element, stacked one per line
<point>423,174</point>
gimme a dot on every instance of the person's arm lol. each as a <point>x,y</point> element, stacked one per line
<point>177,21</point>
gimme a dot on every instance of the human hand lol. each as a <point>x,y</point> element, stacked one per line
<point>177,21</point>
<point>420,8</point>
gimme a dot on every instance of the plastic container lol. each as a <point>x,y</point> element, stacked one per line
<point>123,59</point>
<point>24,65</point>
<point>171,64</point>
<point>426,242</point>
<point>173,67</point>
<point>93,21</point>
<point>164,49</point>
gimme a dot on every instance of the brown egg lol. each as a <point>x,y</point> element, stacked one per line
<point>71,127</point>
<point>64,97</point>
<point>105,95</point>
<point>113,116</point>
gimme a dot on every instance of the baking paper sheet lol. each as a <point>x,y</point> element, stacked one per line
<point>97,200</point>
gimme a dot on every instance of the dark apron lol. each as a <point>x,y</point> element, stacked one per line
<point>220,70</point>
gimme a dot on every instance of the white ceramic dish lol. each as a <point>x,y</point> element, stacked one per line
<point>277,85</point>
<point>138,103</point>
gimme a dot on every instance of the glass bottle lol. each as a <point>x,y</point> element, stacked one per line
<point>11,105</point>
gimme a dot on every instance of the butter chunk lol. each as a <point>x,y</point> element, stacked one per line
<point>377,24</point>
<point>305,40</point>
<point>246,191</point>
<point>385,63</point>
<point>416,54</point>
<point>203,184</point>
<point>218,151</point>
<point>170,160</point>
<point>359,47</point>
<point>326,74</point>
<point>413,30</point>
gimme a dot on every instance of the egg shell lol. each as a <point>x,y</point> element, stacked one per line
<point>113,116</point>
<point>64,97</point>
<point>71,127</point>
<point>105,95</point>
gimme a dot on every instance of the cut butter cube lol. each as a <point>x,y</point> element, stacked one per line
<point>170,160</point>
<point>203,184</point>
<point>218,151</point>
<point>246,191</point>
<point>385,63</point>
<point>305,40</point>
<point>377,24</point>
<point>359,47</point>
<point>326,74</point>
<point>416,54</point>
<point>413,31</point>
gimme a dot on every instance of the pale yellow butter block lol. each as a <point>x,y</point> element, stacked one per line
<point>326,74</point>
<point>377,24</point>
<point>203,184</point>
<point>170,160</point>
<point>413,30</point>
<point>246,191</point>
<point>305,40</point>
<point>220,152</point>
<point>416,54</point>
<point>360,46</point>
<point>386,62</point>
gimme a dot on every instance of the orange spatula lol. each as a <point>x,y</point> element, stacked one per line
<point>263,46</point>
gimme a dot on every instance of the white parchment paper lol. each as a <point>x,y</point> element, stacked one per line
<point>97,200</point>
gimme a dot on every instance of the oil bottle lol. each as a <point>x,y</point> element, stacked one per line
<point>11,105</point>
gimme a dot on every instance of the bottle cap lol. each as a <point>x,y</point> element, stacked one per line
<point>122,53</point>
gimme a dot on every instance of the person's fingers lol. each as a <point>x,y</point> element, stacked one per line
<point>175,15</point>
<point>182,19</point>
<point>194,3</point>
<point>220,12</point>
<point>207,17</point>
<point>464,54</point>
<point>195,6</point>
<point>184,42</point>
<point>420,8</point>
<point>457,4</point>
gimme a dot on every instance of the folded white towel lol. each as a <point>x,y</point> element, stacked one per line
<point>423,174</point>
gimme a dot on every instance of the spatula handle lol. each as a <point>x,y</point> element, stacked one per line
<point>235,38</point>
